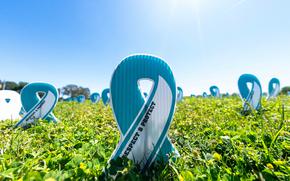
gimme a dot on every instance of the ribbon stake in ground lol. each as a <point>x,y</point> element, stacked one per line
<point>143,123</point>
<point>36,107</point>
<point>251,96</point>
<point>274,88</point>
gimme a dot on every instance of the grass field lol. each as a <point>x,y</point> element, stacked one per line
<point>215,142</point>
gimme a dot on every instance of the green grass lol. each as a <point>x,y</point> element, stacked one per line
<point>215,142</point>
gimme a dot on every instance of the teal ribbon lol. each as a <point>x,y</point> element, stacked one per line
<point>274,88</point>
<point>81,99</point>
<point>95,97</point>
<point>251,96</point>
<point>143,123</point>
<point>179,94</point>
<point>105,96</point>
<point>215,91</point>
<point>35,107</point>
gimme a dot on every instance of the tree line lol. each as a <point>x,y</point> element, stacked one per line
<point>73,90</point>
<point>70,90</point>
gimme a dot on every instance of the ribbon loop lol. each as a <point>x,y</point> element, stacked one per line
<point>81,99</point>
<point>36,107</point>
<point>274,88</point>
<point>143,123</point>
<point>251,97</point>
<point>95,97</point>
<point>215,91</point>
<point>105,96</point>
<point>179,94</point>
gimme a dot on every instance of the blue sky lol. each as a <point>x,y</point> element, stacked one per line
<point>205,42</point>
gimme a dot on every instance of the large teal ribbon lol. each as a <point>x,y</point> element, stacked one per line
<point>36,107</point>
<point>143,123</point>
<point>251,96</point>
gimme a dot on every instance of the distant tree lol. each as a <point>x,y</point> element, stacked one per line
<point>72,90</point>
<point>235,95</point>
<point>285,90</point>
<point>87,92</point>
<point>21,85</point>
<point>10,85</point>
